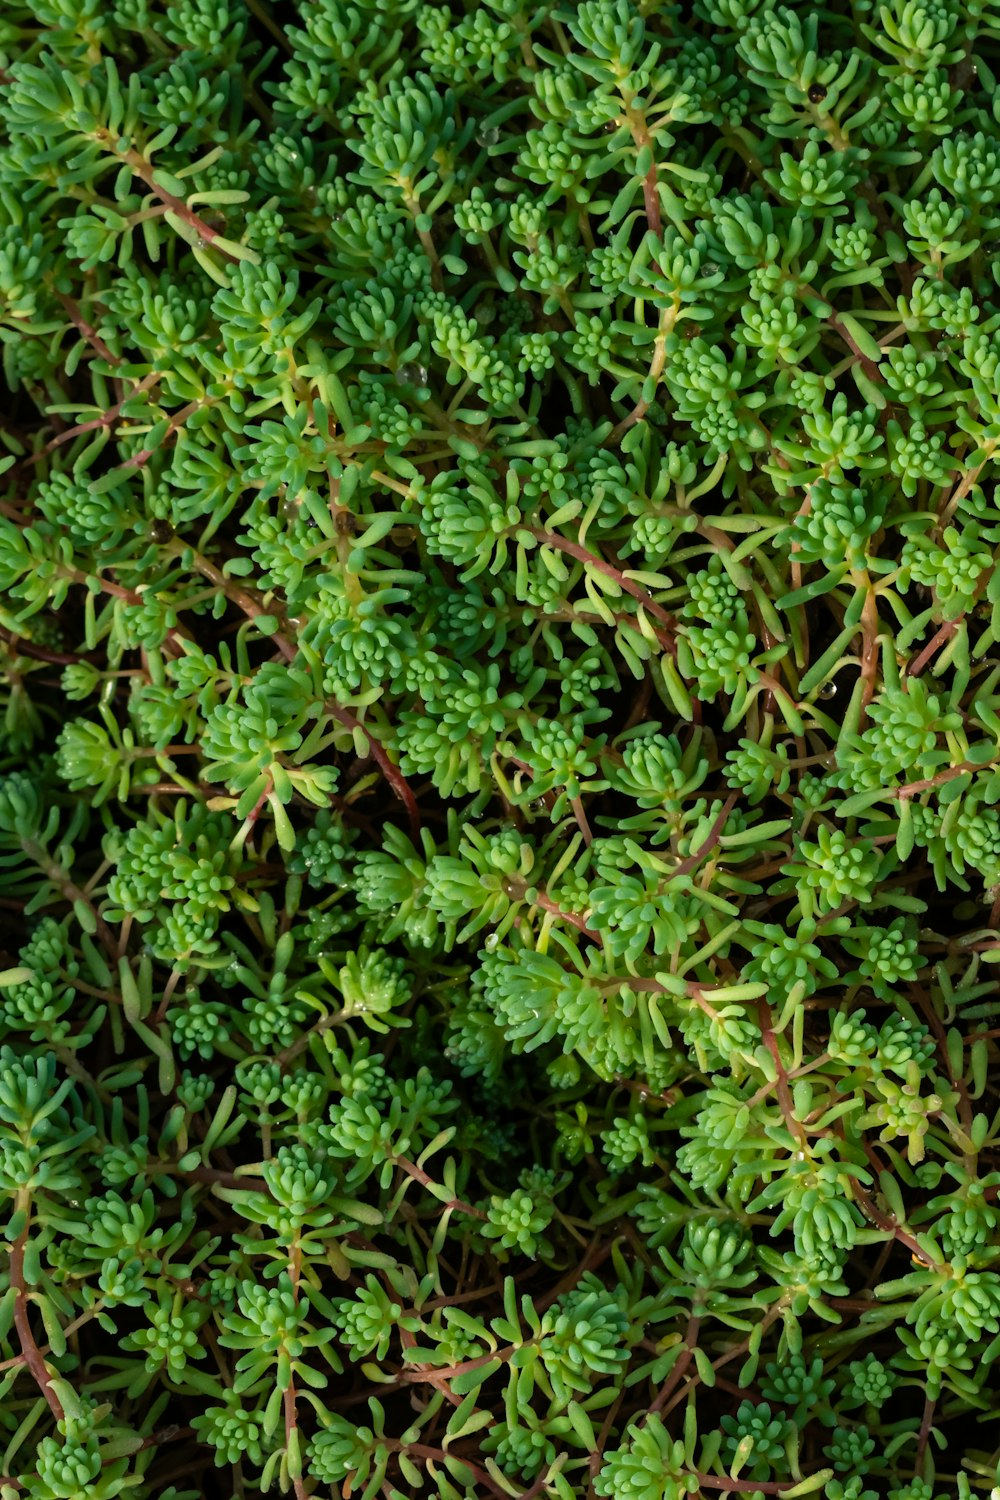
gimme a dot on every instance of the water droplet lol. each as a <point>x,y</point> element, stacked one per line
<point>610,127</point>
<point>491,942</point>
<point>828,690</point>
<point>412,375</point>
<point>488,136</point>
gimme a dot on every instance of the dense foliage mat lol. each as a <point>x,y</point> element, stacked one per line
<point>499,833</point>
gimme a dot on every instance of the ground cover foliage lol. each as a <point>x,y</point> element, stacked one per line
<point>499,846</point>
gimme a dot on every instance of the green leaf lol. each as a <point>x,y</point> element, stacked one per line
<point>860,802</point>
<point>868,345</point>
<point>467,1381</point>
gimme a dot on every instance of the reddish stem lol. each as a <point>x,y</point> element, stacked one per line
<point>745,1486</point>
<point>21,647</point>
<point>145,171</point>
<point>940,638</point>
<point>389,769</point>
<point>580,815</point>
<point>782,1088</point>
<point>650,196</point>
<point>107,419</point>
<point>419,1175</point>
<point>575,920</point>
<point>888,1225</point>
<point>677,1373</point>
<point>577,550</point>
<point>948,774</point>
<point>291,1423</point>
<point>714,834</point>
<point>175,424</point>
<point>253,609</point>
<point>438,1455</point>
<point>30,1351</point>
<point>869,649</point>
<point>90,334</point>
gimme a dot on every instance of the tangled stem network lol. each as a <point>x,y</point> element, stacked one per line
<point>500,760</point>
